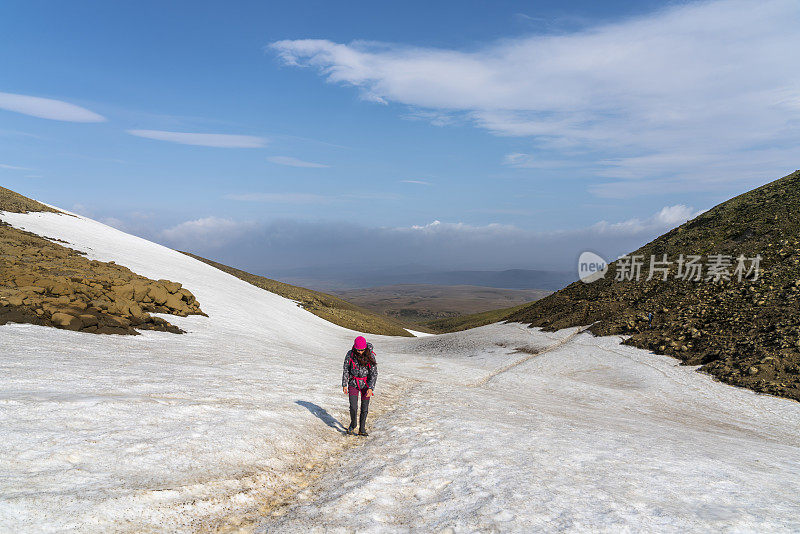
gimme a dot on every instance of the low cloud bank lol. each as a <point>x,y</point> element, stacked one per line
<point>288,244</point>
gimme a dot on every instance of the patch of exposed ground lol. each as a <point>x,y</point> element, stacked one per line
<point>421,303</point>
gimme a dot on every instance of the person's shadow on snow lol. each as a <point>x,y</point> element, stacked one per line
<point>323,414</point>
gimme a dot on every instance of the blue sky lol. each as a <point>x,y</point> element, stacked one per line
<point>457,134</point>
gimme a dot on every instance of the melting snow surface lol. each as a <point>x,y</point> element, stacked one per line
<point>217,427</point>
<point>417,334</point>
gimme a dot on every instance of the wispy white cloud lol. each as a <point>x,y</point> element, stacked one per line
<point>419,182</point>
<point>436,118</point>
<point>520,160</point>
<point>280,198</point>
<point>371,196</point>
<point>294,162</point>
<point>643,93</point>
<point>47,108</point>
<point>14,167</point>
<point>17,133</point>
<point>203,139</point>
<point>693,170</point>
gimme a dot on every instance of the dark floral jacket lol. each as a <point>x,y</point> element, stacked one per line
<point>352,369</point>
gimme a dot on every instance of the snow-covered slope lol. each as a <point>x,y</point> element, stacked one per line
<point>214,428</point>
<point>101,429</point>
<point>592,436</point>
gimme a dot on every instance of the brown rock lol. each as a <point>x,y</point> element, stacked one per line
<point>140,318</point>
<point>60,288</point>
<point>24,280</point>
<point>100,304</point>
<point>122,322</point>
<point>140,289</point>
<point>65,320</point>
<point>135,310</point>
<point>174,302</point>
<point>186,294</point>
<point>123,291</point>
<point>32,289</point>
<point>172,287</point>
<point>88,319</point>
<point>158,293</point>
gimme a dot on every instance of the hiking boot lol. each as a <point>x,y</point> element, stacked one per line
<point>351,430</point>
<point>363,432</point>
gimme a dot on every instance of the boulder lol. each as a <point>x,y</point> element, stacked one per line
<point>65,320</point>
<point>122,322</point>
<point>24,280</point>
<point>100,304</point>
<point>172,287</point>
<point>186,294</point>
<point>61,288</point>
<point>140,318</point>
<point>88,319</point>
<point>134,310</point>
<point>158,293</point>
<point>123,291</point>
<point>174,302</point>
<point>140,289</point>
<point>32,289</point>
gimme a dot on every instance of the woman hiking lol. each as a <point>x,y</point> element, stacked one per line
<point>358,378</point>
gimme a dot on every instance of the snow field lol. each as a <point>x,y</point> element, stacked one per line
<point>162,431</point>
<point>593,436</point>
<point>235,425</point>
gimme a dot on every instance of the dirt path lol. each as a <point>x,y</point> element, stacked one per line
<point>332,445</point>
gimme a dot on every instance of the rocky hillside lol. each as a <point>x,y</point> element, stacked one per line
<point>43,282</point>
<point>16,203</point>
<point>744,332</point>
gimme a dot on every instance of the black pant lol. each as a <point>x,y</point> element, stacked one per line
<point>362,420</point>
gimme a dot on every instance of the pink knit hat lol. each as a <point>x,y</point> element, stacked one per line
<point>360,343</point>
